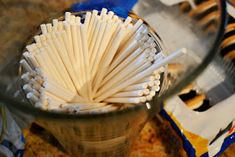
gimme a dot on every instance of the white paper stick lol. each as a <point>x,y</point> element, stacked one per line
<point>96,54</point>
<point>157,76</point>
<point>77,20</point>
<point>110,15</point>
<point>127,20</point>
<point>51,66</point>
<point>80,68</point>
<point>123,64</point>
<point>140,86</point>
<point>70,40</point>
<point>26,66</point>
<point>129,71</point>
<point>103,12</point>
<point>55,22</point>
<point>49,27</point>
<point>78,60</point>
<point>72,19</point>
<point>60,26</point>
<point>37,39</point>
<point>157,82</point>
<point>32,97</point>
<point>27,88</point>
<point>87,21</point>
<point>139,76</point>
<point>109,30</point>
<point>156,88</point>
<point>136,93</point>
<point>31,59</point>
<point>131,33</point>
<point>57,60</point>
<point>92,26</point>
<point>125,52</point>
<point>43,28</point>
<point>49,57</point>
<point>26,77</point>
<point>54,104</point>
<point>134,100</point>
<point>67,63</point>
<point>60,92</point>
<point>39,80</point>
<point>146,91</point>
<point>94,33</point>
<point>108,58</point>
<point>67,16</point>
<point>87,84</point>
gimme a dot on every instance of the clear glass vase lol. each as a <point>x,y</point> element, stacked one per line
<point>112,133</point>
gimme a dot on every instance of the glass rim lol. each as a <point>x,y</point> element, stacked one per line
<point>39,113</point>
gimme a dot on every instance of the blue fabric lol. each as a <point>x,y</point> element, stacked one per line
<point>9,145</point>
<point>119,7</point>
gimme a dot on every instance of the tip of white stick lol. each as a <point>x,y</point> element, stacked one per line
<point>43,28</point>
<point>143,99</point>
<point>110,14</point>
<point>55,22</point>
<point>156,88</point>
<point>95,12</point>
<point>78,20</point>
<point>151,83</point>
<point>41,90</point>
<point>88,13</point>
<point>67,13</point>
<point>140,93</point>
<point>129,26</point>
<point>45,84</point>
<point>38,104</point>
<point>115,18</point>
<point>29,48</point>
<point>149,97</point>
<point>29,95</point>
<point>128,20</point>
<point>145,85</point>
<point>151,78</point>
<point>25,75</point>
<point>37,38</point>
<point>184,50</point>
<point>152,93</point>
<point>104,10</point>
<point>138,24</point>
<point>26,86</point>
<point>157,76</point>
<point>146,91</point>
<point>39,71</point>
<point>26,53</point>
<point>67,16</point>
<point>157,82</point>
<point>22,61</point>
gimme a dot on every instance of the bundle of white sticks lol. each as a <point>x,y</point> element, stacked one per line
<point>92,62</point>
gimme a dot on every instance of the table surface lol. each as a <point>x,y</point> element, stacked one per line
<point>19,19</point>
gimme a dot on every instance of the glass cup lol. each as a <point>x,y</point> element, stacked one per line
<point>112,133</point>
